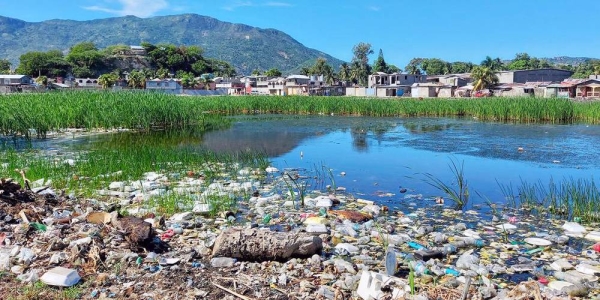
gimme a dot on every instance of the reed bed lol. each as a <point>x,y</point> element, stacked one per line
<point>574,199</point>
<point>37,114</point>
<point>85,171</point>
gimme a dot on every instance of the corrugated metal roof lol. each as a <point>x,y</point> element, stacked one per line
<point>12,76</point>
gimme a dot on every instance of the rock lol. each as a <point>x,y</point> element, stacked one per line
<point>60,276</point>
<point>343,266</point>
<point>222,262</point>
<point>136,230</point>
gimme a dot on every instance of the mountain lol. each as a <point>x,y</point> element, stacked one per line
<point>246,47</point>
<point>567,60</point>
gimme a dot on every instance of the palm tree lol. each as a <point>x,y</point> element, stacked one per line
<point>344,73</point>
<point>107,80</point>
<point>483,77</point>
<point>305,71</point>
<point>137,79</point>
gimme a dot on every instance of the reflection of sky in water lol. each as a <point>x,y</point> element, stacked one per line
<point>380,155</point>
<point>383,154</point>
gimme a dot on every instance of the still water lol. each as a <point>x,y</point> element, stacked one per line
<point>379,156</point>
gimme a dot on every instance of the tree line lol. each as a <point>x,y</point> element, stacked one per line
<point>187,63</point>
<point>85,60</point>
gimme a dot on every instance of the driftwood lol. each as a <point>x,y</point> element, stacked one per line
<point>261,245</point>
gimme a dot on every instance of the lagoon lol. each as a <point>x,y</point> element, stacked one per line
<point>379,156</point>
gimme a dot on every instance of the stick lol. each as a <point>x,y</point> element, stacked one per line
<point>231,292</point>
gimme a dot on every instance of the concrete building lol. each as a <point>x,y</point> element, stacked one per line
<point>432,89</point>
<point>523,76</point>
<point>457,80</point>
<point>15,80</point>
<point>170,85</point>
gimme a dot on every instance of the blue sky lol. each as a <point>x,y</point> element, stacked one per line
<point>462,30</point>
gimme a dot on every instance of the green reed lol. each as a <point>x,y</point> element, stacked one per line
<point>570,198</point>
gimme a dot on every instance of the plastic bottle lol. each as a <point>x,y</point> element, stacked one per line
<point>570,278</point>
<point>415,245</point>
<point>419,267</point>
<point>450,271</point>
<point>449,249</point>
<point>267,219</point>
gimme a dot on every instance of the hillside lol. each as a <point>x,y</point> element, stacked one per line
<point>246,47</point>
<point>567,60</point>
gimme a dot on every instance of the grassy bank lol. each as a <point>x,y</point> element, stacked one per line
<point>51,111</point>
<point>37,114</point>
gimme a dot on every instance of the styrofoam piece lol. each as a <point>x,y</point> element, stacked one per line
<point>60,276</point>
<point>558,284</point>
<point>538,241</point>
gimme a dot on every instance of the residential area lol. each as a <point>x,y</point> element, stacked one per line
<point>537,83</point>
<point>381,80</point>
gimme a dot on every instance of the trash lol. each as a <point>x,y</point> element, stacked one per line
<point>593,236</point>
<point>59,276</point>
<point>559,285</point>
<point>38,226</point>
<point>538,242</point>
<point>316,228</point>
<point>587,269</point>
<point>222,262</point>
<point>573,228</point>
<point>99,217</point>
<point>426,255</point>
<point>345,249</point>
<point>561,265</point>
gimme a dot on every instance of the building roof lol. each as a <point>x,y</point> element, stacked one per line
<point>298,77</point>
<point>12,76</point>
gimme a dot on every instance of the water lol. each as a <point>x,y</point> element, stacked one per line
<point>381,155</point>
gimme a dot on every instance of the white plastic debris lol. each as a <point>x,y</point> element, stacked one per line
<point>60,276</point>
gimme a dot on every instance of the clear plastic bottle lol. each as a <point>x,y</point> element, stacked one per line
<point>570,278</point>
<point>419,267</point>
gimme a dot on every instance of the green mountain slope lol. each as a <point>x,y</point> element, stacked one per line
<point>246,47</point>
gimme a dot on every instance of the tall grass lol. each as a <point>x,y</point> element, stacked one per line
<point>38,114</point>
<point>570,198</point>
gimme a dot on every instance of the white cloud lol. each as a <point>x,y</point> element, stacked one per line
<point>374,8</point>
<point>237,4</point>
<point>140,8</point>
<point>280,4</point>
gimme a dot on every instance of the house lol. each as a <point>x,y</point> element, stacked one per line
<point>432,89</point>
<point>15,80</point>
<point>137,50</point>
<point>392,85</point>
<point>523,76</point>
<point>588,89</point>
<point>457,80</point>
<point>234,86</point>
<point>297,84</point>
<point>574,88</point>
<point>277,86</point>
<point>86,83</point>
<point>169,85</point>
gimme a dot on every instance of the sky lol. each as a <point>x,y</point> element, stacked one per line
<point>460,30</point>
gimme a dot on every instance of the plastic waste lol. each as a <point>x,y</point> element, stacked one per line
<point>4,259</point>
<point>38,226</point>
<point>568,277</point>
<point>426,255</point>
<point>450,271</point>
<point>468,261</point>
<point>222,262</point>
<point>60,276</point>
<point>419,267</point>
<point>266,219</point>
<point>415,245</point>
